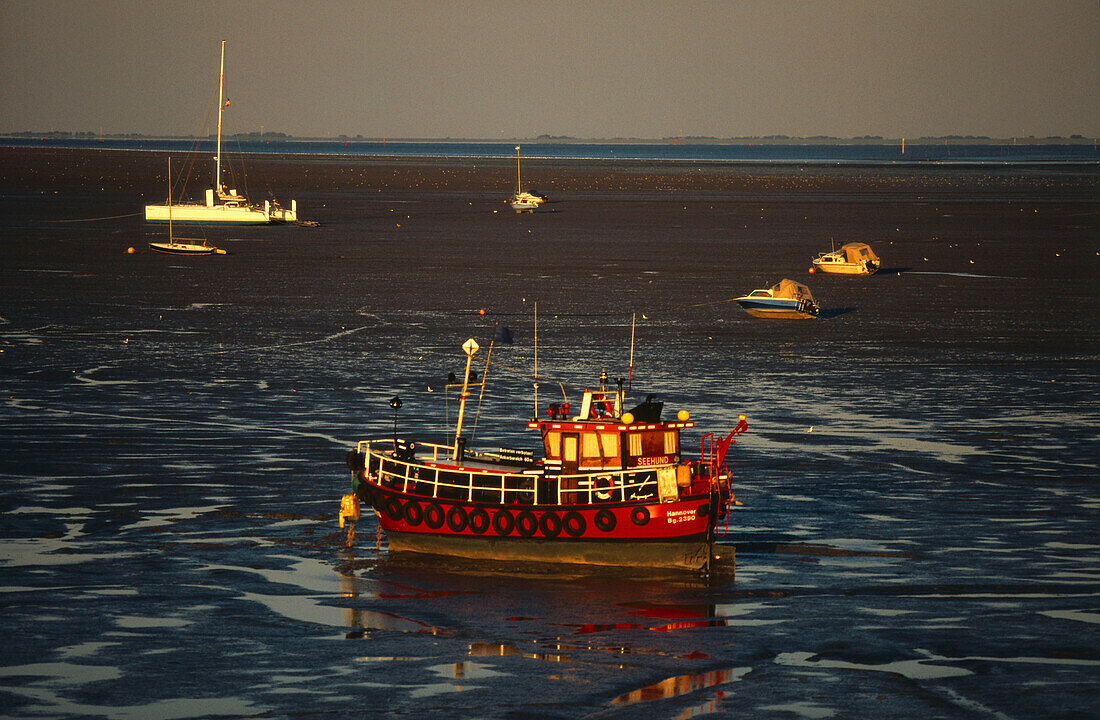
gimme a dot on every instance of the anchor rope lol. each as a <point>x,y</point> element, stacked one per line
<point>107,217</point>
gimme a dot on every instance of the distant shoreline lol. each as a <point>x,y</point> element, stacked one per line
<point>274,137</point>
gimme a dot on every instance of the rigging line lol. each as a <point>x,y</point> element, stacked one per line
<point>480,395</point>
<point>547,378</point>
<point>712,302</point>
<point>316,341</point>
<point>108,217</point>
<point>185,172</point>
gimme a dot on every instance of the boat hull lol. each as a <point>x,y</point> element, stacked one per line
<point>195,214</point>
<point>185,249</point>
<point>681,555</point>
<point>671,535</point>
<point>777,309</point>
<point>844,268</point>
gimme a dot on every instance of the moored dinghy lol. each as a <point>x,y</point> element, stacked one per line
<point>786,300</point>
<point>610,488</point>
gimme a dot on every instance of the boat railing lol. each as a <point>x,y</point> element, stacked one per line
<point>393,465</point>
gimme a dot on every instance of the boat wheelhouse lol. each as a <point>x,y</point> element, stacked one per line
<point>608,488</point>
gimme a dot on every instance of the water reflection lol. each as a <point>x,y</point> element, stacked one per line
<point>682,685</point>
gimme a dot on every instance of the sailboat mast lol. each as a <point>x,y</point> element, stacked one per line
<point>519,188</point>
<point>170,240</point>
<point>221,106</point>
<point>630,385</point>
<point>536,378</point>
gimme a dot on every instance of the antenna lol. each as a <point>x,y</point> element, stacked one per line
<point>630,382</point>
<point>536,376</point>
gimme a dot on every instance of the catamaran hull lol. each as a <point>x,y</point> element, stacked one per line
<point>205,215</point>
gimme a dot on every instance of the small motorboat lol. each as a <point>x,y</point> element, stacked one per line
<point>853,258</point>
<point>609,486</point>
<point>786,300</point>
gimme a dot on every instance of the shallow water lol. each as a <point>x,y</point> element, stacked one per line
<point>918,531</point>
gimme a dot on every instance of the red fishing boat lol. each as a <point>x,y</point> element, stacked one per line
<point>611,487</point>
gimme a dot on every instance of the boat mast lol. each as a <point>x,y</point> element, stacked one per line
<point>536,378</point>
<point>518,186</point>
<point>470,346</point>
<point>170,240</point>
<point>630,385</point>
<point>221,106</point>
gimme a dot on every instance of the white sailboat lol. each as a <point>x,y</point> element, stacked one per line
<point>523,201</point>
<point>179,247</point>
<point>222,206</point>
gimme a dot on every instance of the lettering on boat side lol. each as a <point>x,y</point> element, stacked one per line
<point>679,516</point>
<point>655,460</point>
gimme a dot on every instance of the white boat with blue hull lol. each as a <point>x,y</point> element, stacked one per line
<point>786,300</point>
<point>223,206</point>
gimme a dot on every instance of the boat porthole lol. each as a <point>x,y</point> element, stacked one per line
<point>413,513</point>
<point>605,520</point>
<point>479,520</point>
<point>573,523</point>
<point>503,522</point>
<point>550,524</point>
<point>639,515</point>
<point>393,509</point>
<point>526,523</point>
<point>456,518</point>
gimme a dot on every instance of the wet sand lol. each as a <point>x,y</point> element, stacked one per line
<point>919,477</point>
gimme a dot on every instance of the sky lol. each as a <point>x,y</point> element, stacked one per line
<point>501,70</point>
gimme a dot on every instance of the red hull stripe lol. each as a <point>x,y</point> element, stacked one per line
<point>675,521</point>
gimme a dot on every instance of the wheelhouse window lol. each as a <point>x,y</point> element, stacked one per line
<point>590,446</point>
<point>610,442</point>
<point>569,449</point>
<point>552,440</point>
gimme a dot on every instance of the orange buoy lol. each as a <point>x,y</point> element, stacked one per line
<point>129,251</point>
